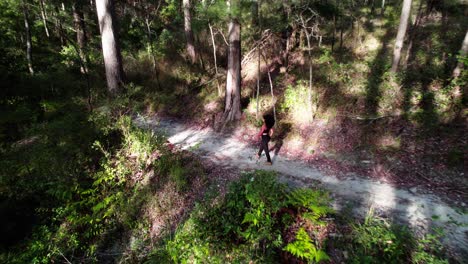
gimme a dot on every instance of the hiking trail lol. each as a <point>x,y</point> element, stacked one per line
<point>420,211</point>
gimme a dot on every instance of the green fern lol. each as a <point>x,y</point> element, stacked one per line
<point>314,201</point>
<point>304,248</point>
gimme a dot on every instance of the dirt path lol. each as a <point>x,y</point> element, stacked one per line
<point>420,211</point>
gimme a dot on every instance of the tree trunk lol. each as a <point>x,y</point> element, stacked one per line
<point>110,46</point>
<point>232,109</point>
<point>341,32</point>
<point>334,33</point>
<point>254,10</point>
<point>188,31</point>
<point>405,13</point>
<point>412,35</point>
<point>78,20</point>
<point>463,51</point>
<point>309,99</point>
<point>153,57</point>
<point>273,99</point>
<point>382,10</point>
<point>59,26</point>
<point>214,57</point>
<point>28,38</point>
<point>44,17</point>
<point>258,81</point>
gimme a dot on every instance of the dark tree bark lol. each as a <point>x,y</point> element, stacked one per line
<point>188,31</point>
<point>254,10</point>
<point>405,13</point>
<point>110,46</point>
<point>232,109</point>
<point>28,38</point>
<point>80,28</point>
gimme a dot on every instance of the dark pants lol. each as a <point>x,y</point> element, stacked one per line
<point>264,146</point>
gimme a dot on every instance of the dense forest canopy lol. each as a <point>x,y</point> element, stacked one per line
<point>377,86</point>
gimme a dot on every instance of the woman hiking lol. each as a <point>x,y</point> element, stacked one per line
<point>266,133</point>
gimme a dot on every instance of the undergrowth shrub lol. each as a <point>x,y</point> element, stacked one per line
<point>303,247</point>
<point>85,200</point>
<point>296,102</point>
<point>247,223</point>
<point>377,241</point>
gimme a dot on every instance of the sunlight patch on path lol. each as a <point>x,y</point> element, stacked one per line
<point>419,211</point>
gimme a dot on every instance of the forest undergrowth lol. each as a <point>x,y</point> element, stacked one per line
<point>117,193</point>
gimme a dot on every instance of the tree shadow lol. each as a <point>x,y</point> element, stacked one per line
<point>375,78</point>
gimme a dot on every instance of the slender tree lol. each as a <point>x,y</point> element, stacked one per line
<point>214,58</point>
<point>412,34</point>
<point>80,28</point>
<point>188,31</point>
<point>44,17</point>
<point>463,51</point>
<point>59,25</point>
<point>110,45</point>
<point>405,13</point>
<point>232,109</point>
<point>28,37</point>
<point>308,19</point>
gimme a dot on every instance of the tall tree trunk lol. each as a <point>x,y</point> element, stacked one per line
<point>254,11</point>
<point>382,8</point>
<point>153,57</point>
<point>28,38</point>
<point>256,15</point>
<point>214,58</point>
<point>258,81</point>
<point>59,26</point>
<point>405,13</point>
<point>188,31</point>
<point>44,17</point>
<point>110,46</point>
<point>80,28</point>
<point>232,109</point>
<point>341,31</point>
<point>463,51</point>
<point>334,32</point>
<point>412,34</point>
<point>309,95</point>
<point>273,99</point>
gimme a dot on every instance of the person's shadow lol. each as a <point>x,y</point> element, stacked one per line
<point>282,131</point>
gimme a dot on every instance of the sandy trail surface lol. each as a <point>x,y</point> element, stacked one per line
<point>421,212</point>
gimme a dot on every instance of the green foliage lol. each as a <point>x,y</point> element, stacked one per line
<point>235,226</point>
<point>314,202</point>
<point>377,241</point>
<point>245,222</point>
<point>429,249</point>
<point>297,104</point>
<point>304,248</point>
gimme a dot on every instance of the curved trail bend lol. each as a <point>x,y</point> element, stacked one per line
<point>420,211</point>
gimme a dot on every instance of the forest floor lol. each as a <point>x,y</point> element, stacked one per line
<point>417,207</point>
